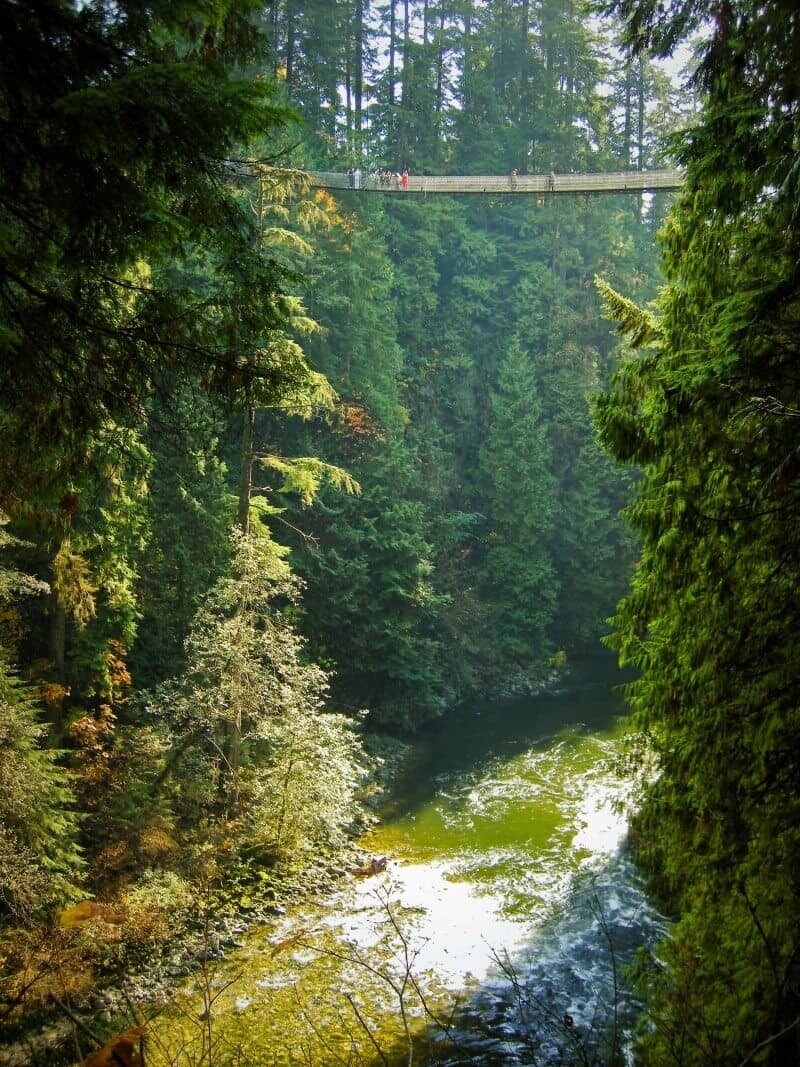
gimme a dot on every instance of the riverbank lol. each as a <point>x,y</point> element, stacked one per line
<point>231,915</point>
<point>214,927</point>
<point>509,898</point>
<point>203,932</point>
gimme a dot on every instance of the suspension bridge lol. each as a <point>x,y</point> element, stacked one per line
<point>645,181</point>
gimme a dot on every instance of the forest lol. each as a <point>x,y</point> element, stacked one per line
<point>287,472</point>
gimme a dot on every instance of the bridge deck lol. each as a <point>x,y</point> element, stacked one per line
<point>612,182</point>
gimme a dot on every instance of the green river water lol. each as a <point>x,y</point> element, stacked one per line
<point>496,933</point>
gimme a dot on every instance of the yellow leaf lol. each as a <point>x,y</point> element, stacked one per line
<point>82,912</point>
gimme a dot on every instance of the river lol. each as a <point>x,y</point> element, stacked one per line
<point>498,932</point>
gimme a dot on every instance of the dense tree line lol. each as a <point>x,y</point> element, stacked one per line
<point>424,301</point>
<point>274,464</point>
<point>159,716</point>
<point>707,406</point>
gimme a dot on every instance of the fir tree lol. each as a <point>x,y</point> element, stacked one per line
<point>116,134</point>
<point>39,858</point>
<point>520,582</point>
<point>706,408</point>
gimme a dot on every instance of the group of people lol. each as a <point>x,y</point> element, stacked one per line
<point>384,178</point>
<point>513,180</point>
<point>388,179</point>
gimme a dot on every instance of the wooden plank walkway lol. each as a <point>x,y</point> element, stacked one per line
<point>612,182</point>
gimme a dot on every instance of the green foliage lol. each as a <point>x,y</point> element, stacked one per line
<point>114,165</point>
<point>304,476</point>
<point>190,511</point>
<point>39,860</point>
<point>302,800</point>
<point>72,585</point>
<point>348,283</point>
<point>521,585</point>
<point>710,616</point>
<point>419,300</point>
<point>638,326</point>
<point>374,610</point>
<point>165,268</point>
<point>252,742</point>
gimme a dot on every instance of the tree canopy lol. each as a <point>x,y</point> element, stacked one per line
<point>127,263</point>
<point>278,468</point>
<point>707,408</point>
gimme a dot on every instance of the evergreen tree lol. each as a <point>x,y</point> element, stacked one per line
<point>521,586</point>
<point>152,266</point>
<point>116,133</point>
<point>287,785</point>
<point>39,858</point>
<point>350,282</point>
<point>529,90</point>
<point>190,512</point>
<point>373,614</point>
<point>313,44</point>
<point>708,409</point>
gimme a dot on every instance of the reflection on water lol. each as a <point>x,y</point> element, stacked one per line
<point>468,737</point>
<point>493,853</point>
<point>507,884</point>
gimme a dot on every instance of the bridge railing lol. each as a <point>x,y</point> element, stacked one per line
<point>615,181</point>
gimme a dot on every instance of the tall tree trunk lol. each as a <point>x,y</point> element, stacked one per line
<point>466,77</point>
<point>525,25</point>
<point>273,34</point>
<point>290,45</point>
<point>233,730</point>
<point>640,90</point>
<point>249,415</point>
<point>501,73</point>
<point>246,470</point>
<point>440,68</point>
<point>348,103</point>
<point>233,747</point>
<point>406,48</point>
<point>392,49</point>
<point>627,135</point>
<point>406,91</point>
<point>361,8</point>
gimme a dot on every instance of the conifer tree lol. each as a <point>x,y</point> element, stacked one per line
<point>39,858</point>
<point>519,578</point>
<point>120,131</point>
<point>287,784</point>
<point>190,513</point>
<point>707,407</point>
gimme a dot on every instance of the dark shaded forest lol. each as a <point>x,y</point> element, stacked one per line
<point>282,470</point>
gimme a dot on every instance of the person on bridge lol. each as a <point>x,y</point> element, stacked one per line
<point>404,179</point>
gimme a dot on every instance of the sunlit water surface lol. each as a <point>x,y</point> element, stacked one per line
<point>498,931</point>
